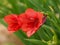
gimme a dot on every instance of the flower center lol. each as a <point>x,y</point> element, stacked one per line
<point>33,22</point>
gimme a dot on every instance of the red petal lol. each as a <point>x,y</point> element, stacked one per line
<point>28,30</point>
<point>13,22</point>
<point>30,33</point>
<point>13,27</point>
<point>40,17</point>
<point>22,17</point>
<point>30,13</point>
<point>10,18</point>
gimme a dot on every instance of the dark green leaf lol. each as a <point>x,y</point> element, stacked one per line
<point>37,42</point>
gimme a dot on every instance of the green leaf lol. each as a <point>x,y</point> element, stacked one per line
<point>17,7</point>
<point>2,22</point>
<point>34,4</point>
<point>54,5</point>
<point>48,31</point>
<point>43,35</point>
<point>4,11</point>
<point>22,1</point>
<point>37,42</point>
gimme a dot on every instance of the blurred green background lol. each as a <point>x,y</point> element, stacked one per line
<point>49,33</point>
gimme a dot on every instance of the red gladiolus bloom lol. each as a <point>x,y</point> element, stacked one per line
<point>13,23</point>
<point>31,21</point>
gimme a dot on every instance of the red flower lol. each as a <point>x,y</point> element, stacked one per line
<point>13,22</point>
<point>31,20</point>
